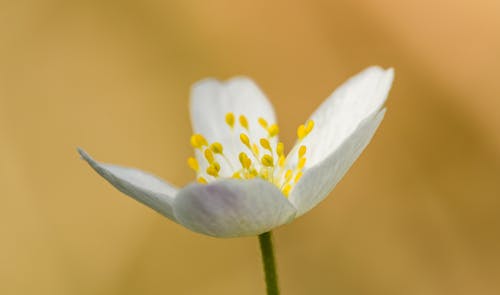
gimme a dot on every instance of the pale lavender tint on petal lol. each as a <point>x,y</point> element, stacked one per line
<point>232,208</point>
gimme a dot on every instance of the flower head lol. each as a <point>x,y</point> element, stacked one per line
<point>245,183</point>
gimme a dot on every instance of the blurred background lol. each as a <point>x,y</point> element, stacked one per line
<point>418,213</point>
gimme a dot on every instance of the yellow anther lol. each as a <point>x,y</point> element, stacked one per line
<point>281,161</point>
<point>216,166</point>
<point>302,151</point>
<point>245,140</point>
<point>302,163</point>
<point>298,176</point>
<point>286,189</point>
<point>202,180</point>
<point>236,175</point>
<point>193,164</point>
<point>247,163</point>
<point>280,149</point>
<point>264,173</point>
<point>304,130</point>
<point>212,171</point>
<point>263,123</point>
<point>288,175</point>
<point>301,132</point>
<point>243,122</point>
<point>209,156</point>
<point>251,173</point>
<point>244,160</point>
<point>273,130</point>
<point>197,141</point>
<point>265,143</point>
<point>267,161</point>
<point>217,148</point>
<point>309,126</point>
<point>230,119</point>
<point>255,149</point>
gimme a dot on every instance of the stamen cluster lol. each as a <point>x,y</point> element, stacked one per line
<point>265,159</point>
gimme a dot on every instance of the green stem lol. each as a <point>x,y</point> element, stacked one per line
<point>266,247</point>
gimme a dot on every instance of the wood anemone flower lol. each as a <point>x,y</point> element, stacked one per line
<point>246,185</point>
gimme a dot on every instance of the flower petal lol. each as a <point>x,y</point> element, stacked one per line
<point>232,208</point>
<point>341,113</point>
<point>318,181</point>
<point>142,186</point>
<point>211,100</point>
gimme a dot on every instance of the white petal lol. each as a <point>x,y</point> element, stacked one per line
<point>232,208</point>
<point>211,100</point>
<point>142,186</point>
<point>318,181</point>
<point>341,113</point>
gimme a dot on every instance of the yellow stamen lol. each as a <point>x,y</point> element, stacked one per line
<point>236,175</point>
<point>243,122</point>
<point>265,144</point>
<point>216,165</point>
<point>263,123</point>
<point>212,171</point>
<point>281,161</point>
<point>298,176</point>
<point>309,126</point>
<point>286,190</point>
<point>304,130</point>
<point>197,141</point>
<point>255,149</point>
<point>273,130</point>
<point>253,172</point>
<point>230,119</point>
<point>301,164</point>
<point>217,148</point>
<point>301,132</point>
<point>244,160</point>
<point>193,164</point>
<point>209,156</point>
<point>280,149</point>
<point>264,173</point>
<point>267,161</point>
<point>302,151</point>
<point>288,175</point>
<point>245,140</point>
<point>202,180</point>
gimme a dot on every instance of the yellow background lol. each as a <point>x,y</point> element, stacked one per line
<point>417,214</point>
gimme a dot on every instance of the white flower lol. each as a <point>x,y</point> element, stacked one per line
<point>246,186</point>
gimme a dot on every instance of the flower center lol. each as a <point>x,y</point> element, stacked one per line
<point>248,159</point>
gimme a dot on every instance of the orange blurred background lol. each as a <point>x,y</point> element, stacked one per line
<point>417,214</point>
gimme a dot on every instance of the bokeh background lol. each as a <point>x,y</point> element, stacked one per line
<point>418,213</point>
